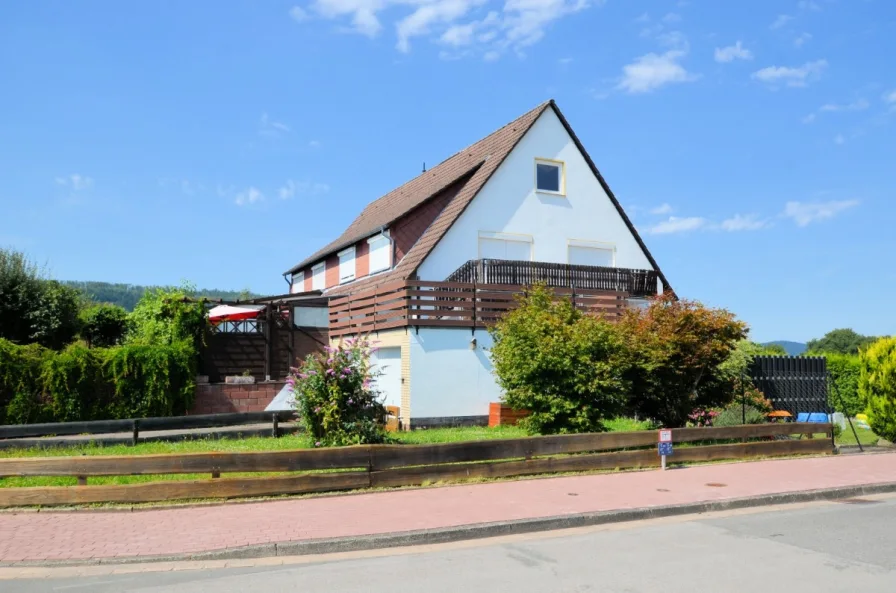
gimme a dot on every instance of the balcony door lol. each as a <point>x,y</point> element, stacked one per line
<point>498,246</point>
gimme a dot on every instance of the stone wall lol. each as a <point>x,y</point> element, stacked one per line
<point>221,398</point>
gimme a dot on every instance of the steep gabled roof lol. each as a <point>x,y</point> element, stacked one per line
<point>481,159</point>
<point>404,199</point>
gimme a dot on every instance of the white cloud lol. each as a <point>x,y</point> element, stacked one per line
<point>839,139</point>
<point>515,25</point>
<point>677,225</point>
<point>808,5</point>
<point>249,196</point>
<point>270,127</point>
<point>805,213</point>
<point>652,71</point>
<point>792,77</point>
<point>854,106</point>
<point>564,61</point>
<point>671,17</point>
<point>661,209</point>
<point>643,18</point>
<point>733,52</point>
<point>890,98</point>
<point>857,105</point>
<point>779,22</point>
<point>749,222</point>
<point>76,181</point>
<point>419,22</point>
<point>299,14</point>
<point>314,144</point>
<point>801,39</point>
<point>290,189</point>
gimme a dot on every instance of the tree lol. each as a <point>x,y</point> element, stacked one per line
<point>34,309</point>
<point>840,341</point>
<point>103,325</point>
<point>877,386</point>
<point>677,347</point>
<point>567,369</point>
<point>773,350</point>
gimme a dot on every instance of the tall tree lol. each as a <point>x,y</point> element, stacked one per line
<point>840,341</point>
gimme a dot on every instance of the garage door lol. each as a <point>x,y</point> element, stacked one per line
<point>388,363</point>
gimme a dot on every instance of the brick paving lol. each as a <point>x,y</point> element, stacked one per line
<point>85,535</point>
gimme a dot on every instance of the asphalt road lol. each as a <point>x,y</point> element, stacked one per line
<point>818,548</point>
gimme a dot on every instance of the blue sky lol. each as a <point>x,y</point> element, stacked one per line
<point>221,142</point>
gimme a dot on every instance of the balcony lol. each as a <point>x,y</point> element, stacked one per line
<point>416,303</point>
<point>635,283</point>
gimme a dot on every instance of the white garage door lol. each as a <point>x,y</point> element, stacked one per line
<point>388,363</point>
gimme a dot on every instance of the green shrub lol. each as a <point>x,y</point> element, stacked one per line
<point>20,383</point>
<point>844,393</point>
<point>877,386</point>
<point>567,369</point>
<point>79,383</point>
<point>151,380</point>
<point>677,348</point>
<point>166,316</point>
<point>103,325</point>
<point>335,396</point>
<point>734,415</point>
<point>74,379</point>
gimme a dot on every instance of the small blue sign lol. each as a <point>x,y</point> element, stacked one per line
<point>665,448</point>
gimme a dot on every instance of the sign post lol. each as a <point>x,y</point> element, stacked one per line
<point>664,446</point>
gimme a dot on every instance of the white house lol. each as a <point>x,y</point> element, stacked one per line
<point>427,267</point>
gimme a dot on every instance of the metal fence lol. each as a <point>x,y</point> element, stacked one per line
<point>796,384</point>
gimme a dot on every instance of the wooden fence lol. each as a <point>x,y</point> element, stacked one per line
<point>416,303</point>
<point>393,465</point>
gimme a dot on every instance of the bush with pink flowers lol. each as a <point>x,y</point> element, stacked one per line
<point>336,396</point>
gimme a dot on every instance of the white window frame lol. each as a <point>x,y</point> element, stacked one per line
<point>347,265</point>
<point>375,242</point>
<point>560,165</point>
<point>506,237</point>
<point>319,276</point>
<point>606,246</point>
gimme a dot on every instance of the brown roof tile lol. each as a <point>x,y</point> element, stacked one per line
<point>481,158</point>
<point>405,198</point>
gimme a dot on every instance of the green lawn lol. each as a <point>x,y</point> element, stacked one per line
<point>866,437</point>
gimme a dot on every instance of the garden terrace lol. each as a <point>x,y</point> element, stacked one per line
<point>636,283</point>
<point>416,303</point>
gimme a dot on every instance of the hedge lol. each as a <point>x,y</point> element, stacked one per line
<point>80,383</point>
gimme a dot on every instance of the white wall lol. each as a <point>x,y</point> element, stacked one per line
<point>447,377</point>
<point>508,203</point>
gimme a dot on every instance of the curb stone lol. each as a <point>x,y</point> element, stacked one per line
<point>480,530</point>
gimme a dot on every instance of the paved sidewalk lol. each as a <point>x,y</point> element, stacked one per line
<point>49,536</point>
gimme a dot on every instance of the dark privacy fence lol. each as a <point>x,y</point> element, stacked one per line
<point>797,384</point>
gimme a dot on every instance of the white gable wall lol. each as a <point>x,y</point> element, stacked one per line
<point>508,203</point>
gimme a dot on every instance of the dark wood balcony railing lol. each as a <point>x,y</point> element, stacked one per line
<point>637,283</point>
<point>416,303</point>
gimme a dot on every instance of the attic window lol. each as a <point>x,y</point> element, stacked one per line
<point>380,253</point>
<point>347,265</point>
<point>549,176</point>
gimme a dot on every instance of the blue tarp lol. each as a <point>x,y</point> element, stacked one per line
<point>819,417</point>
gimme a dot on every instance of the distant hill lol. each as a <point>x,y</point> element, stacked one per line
<point>793,348</point>
<point>127,295</point>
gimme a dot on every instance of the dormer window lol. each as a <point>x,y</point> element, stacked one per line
<point>549,176</point>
